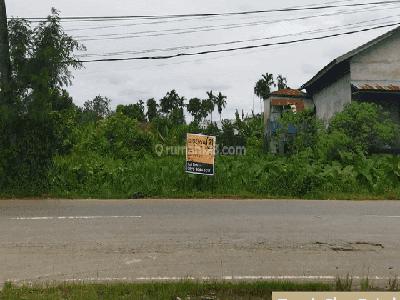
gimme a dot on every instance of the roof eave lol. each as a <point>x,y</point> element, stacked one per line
<point>305,96</point>
<point>347,57</point>
<point>320,74</point>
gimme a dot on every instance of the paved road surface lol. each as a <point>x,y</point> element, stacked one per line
<point>170,239</point>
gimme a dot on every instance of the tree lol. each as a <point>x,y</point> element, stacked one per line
<point>141,105</point>
<point>152,109</point>
<point>230,135</point>
<point>133,111</point>
<point>195,109</point>
<point>41,63</point>
<point>367,126</point>
<point>5,64</point>
<point>221,104</point>
<point>210,102</point>
<point>119,136</point>
<point>172,105</point>
<point>308,129</point>
<point>7,129</point>
<point>21,51</point>
<point>205,107</point>
<point>238,121</point>
<point>263,86</point>
<point>212,129</point>
<point>96,109</point>
<point>171,101</point>
<point>177,116</point>
<point>281,82</point>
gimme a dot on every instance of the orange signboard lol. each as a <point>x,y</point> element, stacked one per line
<point>200,154</point>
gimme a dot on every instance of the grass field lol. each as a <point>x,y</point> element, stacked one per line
<point>179,290</point>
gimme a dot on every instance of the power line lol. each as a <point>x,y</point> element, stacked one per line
<point>165,21</point>
<point>243,41</point>
<point>175,20</point>
<point>178,31</point>
<point>239,48</point>
<point>289,9</point>
<point>134,24</point>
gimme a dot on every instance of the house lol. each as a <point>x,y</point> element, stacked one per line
<point>274,106</point>
<point>369,73</point>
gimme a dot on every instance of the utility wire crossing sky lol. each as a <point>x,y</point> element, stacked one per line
<point>289,9</point>
<point>302,38</point>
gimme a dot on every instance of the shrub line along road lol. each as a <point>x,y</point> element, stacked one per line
<point>142,240</point>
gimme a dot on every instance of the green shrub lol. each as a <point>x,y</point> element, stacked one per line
<point>118,136</point>
<point>366,125</point>
<point>308,130</point>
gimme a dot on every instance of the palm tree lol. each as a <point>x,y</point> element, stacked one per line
<point>211,103</point>
<point>281,82</point>
<point>263,86</point>
<point>220,100</point>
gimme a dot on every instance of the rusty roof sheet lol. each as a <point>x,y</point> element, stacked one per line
<point>289,92</point>
<point>379,86</point>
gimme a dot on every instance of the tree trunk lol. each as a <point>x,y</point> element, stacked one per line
<point>5,72</point>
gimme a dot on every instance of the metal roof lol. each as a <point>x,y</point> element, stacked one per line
<point>348,56</point>
<point>379,86</point>
<point>290,93</point>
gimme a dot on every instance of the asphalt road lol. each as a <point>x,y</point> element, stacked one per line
<point>138,240</point>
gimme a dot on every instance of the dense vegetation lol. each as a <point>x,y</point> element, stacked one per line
<point>188,289</point>
<point>51,147</point>
<point>178,290</point>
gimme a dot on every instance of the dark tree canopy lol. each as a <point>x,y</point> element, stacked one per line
<point>281,82</point>
<point>36,122</point>
<point>96,109</point>
<point>152,109</point>
<point>5,66</point>
<point>133,111</point>
<point>195,109</point>
<point>263,86</point>
<point>172,105</point>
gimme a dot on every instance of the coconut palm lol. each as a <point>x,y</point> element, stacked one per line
<point>281,82</point>
<point>210,103</point>
<point>220,101</point>
<point>263,86</point>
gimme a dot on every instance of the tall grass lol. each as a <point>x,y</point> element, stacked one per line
<point>161,291</point>
<point>253,175</point>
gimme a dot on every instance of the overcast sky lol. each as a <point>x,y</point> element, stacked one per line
<point>233,73</point>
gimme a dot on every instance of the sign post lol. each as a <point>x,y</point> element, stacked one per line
<point>200,154</point>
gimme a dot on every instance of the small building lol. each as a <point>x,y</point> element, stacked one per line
<point>279,102</point>
<point>369,73</point>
